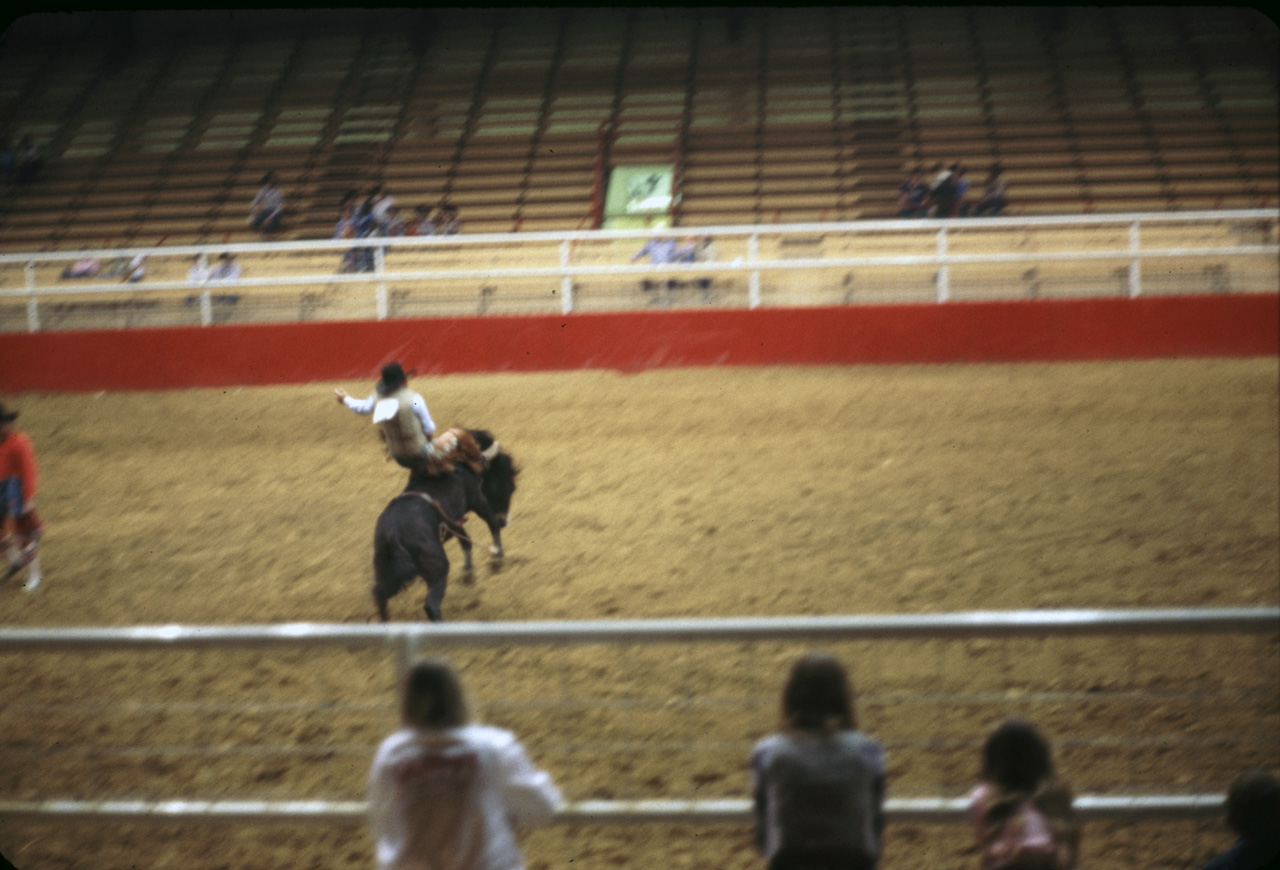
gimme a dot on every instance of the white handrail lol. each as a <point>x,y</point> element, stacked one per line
<point>944,253</point>
<point>829,228</point>
<point>721,811</point>
<point>1013,623</point>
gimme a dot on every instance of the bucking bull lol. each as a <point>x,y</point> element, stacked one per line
<point>409,538</point>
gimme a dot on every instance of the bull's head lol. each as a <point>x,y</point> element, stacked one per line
<point>499,481</point>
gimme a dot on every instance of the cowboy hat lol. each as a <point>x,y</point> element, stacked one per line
<point>393,378</point>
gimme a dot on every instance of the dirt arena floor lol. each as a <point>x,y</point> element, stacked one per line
<point>667,493</point>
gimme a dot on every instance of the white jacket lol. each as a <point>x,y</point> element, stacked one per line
<point>449,799</point>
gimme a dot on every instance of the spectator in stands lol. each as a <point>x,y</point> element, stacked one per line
<point>962,206</point>
<point>199,273</point>
<point>1253,813</point>
<point>662,250</point>
<point>1021,812</point>
<point>136,270</point>
<point>913,195</point>
<point>450,224</point>
<point>942,192</point>
<point>994,198</point>
<point>392,224</point>
<point>448,792</point>
<point>423,222</point>
<point>703,251</point>
<point>268,205</point>
<point>85,267</point>
<point>818,785</point>
<point>228,268</point>
<point>28,161</point>
<point>377,203</point>
<point>8,159</point>
<point>347,228</point>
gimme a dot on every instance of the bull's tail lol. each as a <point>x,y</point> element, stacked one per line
<point>393,565</point>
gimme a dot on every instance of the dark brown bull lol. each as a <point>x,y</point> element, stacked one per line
<point>408,539</point>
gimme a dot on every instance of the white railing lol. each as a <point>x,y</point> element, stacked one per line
<point>727,810</point>
<point>754,266</point>
<point>406,640</point>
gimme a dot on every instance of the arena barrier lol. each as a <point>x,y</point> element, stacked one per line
<point>406,640</point>
<point>921,291</point>
<point>781,265</point>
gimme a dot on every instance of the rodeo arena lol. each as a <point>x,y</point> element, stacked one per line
<point>941,343</point>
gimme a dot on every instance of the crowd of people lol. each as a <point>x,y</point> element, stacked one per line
<point>661,250</point>
<point>446,792</point>
<point>945,193</point>
<point>376,215</point>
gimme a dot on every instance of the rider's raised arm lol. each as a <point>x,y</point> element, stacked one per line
<point>360,406</point>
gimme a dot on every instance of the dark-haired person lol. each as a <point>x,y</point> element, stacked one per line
<point>1021,812</point>
<point>1253,813</point>
<point>445,793</point>
<point>268,205</point>
<point>818,785</point>
<point>400,414</point>
<point>18,502</point>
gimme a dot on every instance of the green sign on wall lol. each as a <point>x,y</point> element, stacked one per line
<point>639,196</point>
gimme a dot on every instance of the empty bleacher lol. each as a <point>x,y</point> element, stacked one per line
<point>769,115</point>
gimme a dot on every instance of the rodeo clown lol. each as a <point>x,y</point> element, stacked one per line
<point>406,427</point>
<point>18,502</point>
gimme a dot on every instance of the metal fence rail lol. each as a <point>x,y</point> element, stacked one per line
<point>784,264</point>
<point>730,811</point>
<point>405,640</point>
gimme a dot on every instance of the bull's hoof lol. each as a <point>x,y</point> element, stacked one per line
<point>467,577</point>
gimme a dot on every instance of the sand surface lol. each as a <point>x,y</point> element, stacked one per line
<point>668,493</point>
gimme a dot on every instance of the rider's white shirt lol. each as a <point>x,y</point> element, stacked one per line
<point>417,403</point>
<point>448,799</point>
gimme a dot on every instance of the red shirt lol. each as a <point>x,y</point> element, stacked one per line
<point>18,459</point>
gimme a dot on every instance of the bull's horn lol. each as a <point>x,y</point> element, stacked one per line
<point>491,452</point>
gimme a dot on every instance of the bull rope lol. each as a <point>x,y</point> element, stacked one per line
<point>455,527</point>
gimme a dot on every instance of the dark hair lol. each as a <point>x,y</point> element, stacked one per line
<point>268,178</point>
<point>433,696</point>
<point>393,378</point>
<point>1253,804</point>
<point>1016,757</point>
<point>817,696</point>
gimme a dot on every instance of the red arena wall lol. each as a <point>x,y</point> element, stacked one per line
<point>228,355</point>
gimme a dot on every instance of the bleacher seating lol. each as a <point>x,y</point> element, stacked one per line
<point>771,115</point>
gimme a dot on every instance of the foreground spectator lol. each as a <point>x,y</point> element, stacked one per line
<point>1021,813</point>
<point>268,205</point>
<point>445,793</point>
<point>1253,813</point>
<point>818,785</point>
